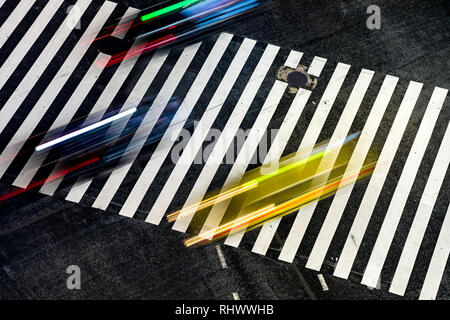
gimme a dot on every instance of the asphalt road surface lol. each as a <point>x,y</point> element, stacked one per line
<point>387,238</point>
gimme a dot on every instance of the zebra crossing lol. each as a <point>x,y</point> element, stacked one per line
<point>229,83</point>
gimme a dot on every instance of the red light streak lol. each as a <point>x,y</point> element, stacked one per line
<point>136,51</point>
<point>119,29</point>
<point>49,179</point>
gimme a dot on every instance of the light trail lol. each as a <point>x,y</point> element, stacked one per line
<point>168,9</point>
<point>136,51</point>
<point>84,130</point>
<point>49,179</point>
<point>318,153</point>
<point>271,211</point>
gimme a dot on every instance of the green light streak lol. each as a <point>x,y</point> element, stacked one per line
<point>288,167</point>
<point>168,9</point>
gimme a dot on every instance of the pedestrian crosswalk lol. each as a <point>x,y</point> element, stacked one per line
<point>421,218</point>
<point>374,187</point>
<point>377,228</point>
<point>14,19</point>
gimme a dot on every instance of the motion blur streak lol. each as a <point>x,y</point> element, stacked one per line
<point>96,147</point>
<point>84,130</point>
<point>193,14</point>
<point>257,218</point>
<point>136,51</point>
<point>168,9</point>
<point>228,13</point>
<point>48,179</point>
<point>285,164</point>
<point>279,188</point>
<point>177,24</point>
<point>121,28</point>
<point>217,232</point>
<point>211,201</point>
<point>242,188</point>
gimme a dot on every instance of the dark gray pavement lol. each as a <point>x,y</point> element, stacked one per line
<point>123,258</point>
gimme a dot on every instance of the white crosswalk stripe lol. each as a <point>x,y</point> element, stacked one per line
<point>187,157</point>
<point>220,63</point>
<point>64,117</point>
<point>279,144</point>
<point>343,194</point>
<point>400,195</point>
<point>438,261</point>
<point>51,91</point>
<point>118,175</point>
<point>268,230</point>
<point>66,114</point>
<point>106,99</point>
<point>382,169</point>
<point>35,71</point>
<point>28,40</point>
<point>422,217</point>
<point>228,133</point>
<point>342,129</point>
<point>14,19</point>
<point>153,166</point>
<point>302,218</point>
<point>355,164</point>
<point>81,186</point>
<point>249,147</point>
<point>120,32</point>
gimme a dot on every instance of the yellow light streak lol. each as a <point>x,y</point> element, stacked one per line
<point>271,211</point>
